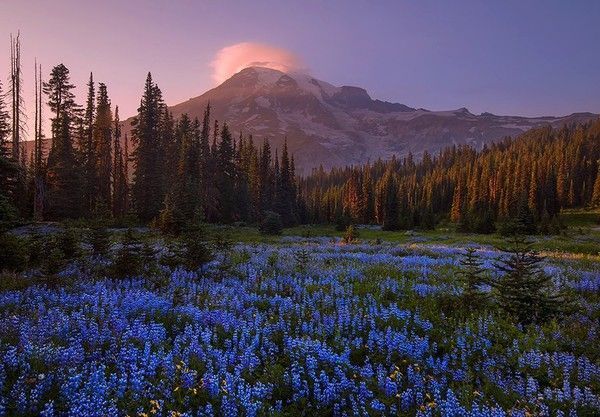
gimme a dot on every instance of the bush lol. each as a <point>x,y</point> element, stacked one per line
<point>13,253</point>
<point>342,222</point>
<point>55,262</point>
<point>8,213</point>
<point>69,244</point>
<point>128,261</point>
<point>99,240</point>
<point>37,246</point>
<point>350,235</point>
<point>195,252</point>
<point>271,224</point>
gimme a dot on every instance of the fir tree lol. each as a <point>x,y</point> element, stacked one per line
<point>226,176</point>
<point>285,199</point>
<point>87,150</point>
<point>63,175</point>
<point>147,188</point>
<point>61,98</point>
<point>102,150</point>
<point>390,208</point>
<point>525,292</point>
<point>128,260</point>
<point>120,185</point>
<point>472,278</point>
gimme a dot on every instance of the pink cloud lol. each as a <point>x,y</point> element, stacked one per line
<point>234,58</point>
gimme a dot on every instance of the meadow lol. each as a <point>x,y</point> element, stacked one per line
<point>302,324</point>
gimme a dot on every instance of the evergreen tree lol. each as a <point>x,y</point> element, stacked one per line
<point>128,260</point>
<point>15,167</point>
<point>147,188</point>
<point>207,183</point>
<point>285,199</point>
<point>61,98</point>
<point>120,181</point>
<point>99,239</point>
<point>63,175</point>
<point>472,278</point>
<point>390,207</point>
<point>456,211</point>
<point>196,251</point>
<point>226,176</point>
<point>183,201</point>
<point>87,150</point>
<point>103,138</point>
<point>525,292</point>
<point>39,169</point>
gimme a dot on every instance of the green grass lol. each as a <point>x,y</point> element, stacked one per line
<point>581,236</point>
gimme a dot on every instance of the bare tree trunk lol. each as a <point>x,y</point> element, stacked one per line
<point>39,184</point>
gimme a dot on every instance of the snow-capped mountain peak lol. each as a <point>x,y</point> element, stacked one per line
<point>332,126</point>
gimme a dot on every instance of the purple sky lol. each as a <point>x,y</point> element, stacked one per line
<point>507,57</point>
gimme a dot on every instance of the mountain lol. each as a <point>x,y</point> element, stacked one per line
<point>334,126</point>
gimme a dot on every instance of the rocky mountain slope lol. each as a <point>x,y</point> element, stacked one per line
<point>333,126</point>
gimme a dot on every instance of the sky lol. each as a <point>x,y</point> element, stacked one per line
<point>523,57</point>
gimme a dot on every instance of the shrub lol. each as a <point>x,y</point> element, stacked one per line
<point>37,245</point>
<point>69,244</point>
<point>13,253</point>
<point>128,261</point>
<point>54,262</point>
<point>195,252</point>
<point>342,222</point>
<point>99,240</point>
<point>271,224</point>
<point>8,213</point>
<point>350,235</point>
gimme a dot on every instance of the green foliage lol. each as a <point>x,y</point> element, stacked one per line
<point>149,259</point>
<point>13,253</point>
<point>525,292</point>
<point>472,277</point>
<point>271,224</point>
<point>8,212</point>
<point>170,220</point>
<point>522,224</point>
<point>342,222</point>
<point>128,260</point>
<point>302,258</point>
<point>99,239</point>
<point>54,262</point>
<point>350,235</point>
<point>195,250</point>
<point>37,245</point>
<point>69,244</point>
<point>272,262</point>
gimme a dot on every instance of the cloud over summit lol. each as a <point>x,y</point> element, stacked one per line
<point>234,58</point>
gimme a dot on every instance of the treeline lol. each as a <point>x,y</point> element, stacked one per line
<point>530,178</point>
<point>176,172</point>
<point>188,170</point>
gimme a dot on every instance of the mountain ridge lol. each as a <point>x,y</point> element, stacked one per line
<point>333,126</point>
